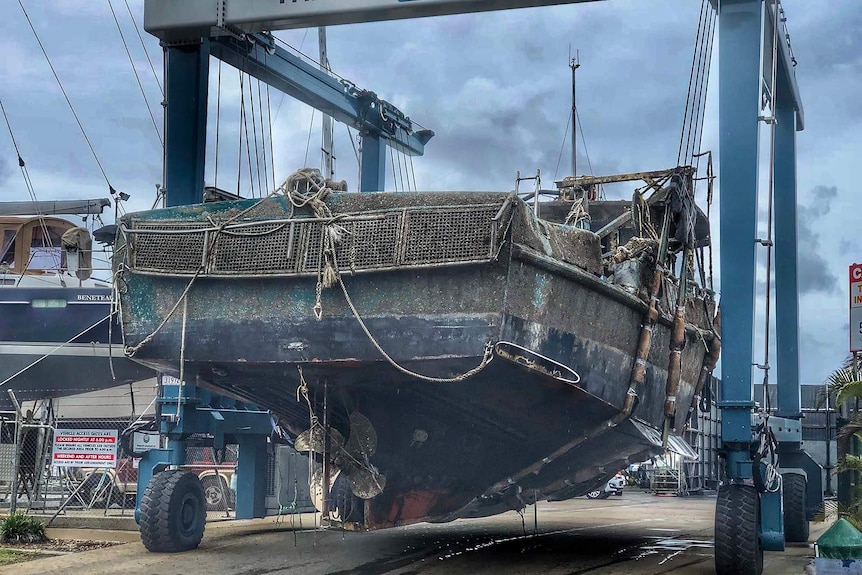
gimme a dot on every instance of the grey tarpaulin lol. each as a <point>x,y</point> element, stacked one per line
<point>79,240</point>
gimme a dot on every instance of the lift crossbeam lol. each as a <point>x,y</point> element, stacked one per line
<point>258,56</point>
<point>178,20</point>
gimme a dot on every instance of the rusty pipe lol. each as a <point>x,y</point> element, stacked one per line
<point>710,360</point>
<point>650,321</point>
<point>677,344</point>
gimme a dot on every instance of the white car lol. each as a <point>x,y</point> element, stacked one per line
<point>613,487</point>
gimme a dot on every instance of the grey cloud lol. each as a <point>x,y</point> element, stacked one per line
<point>5,170</point>
<point>815,274</point>
<point>848,247</point>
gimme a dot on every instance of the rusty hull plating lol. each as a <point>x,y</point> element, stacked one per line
<point>443,282</point>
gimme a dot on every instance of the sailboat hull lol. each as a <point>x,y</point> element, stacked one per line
<point>54,342</point>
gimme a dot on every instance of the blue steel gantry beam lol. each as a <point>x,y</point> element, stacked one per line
<point>179,20</point>
<point>379,122</point>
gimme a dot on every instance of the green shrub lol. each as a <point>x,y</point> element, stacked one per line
<point>21,528</point>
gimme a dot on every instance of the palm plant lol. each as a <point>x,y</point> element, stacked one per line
<point>846,386</point>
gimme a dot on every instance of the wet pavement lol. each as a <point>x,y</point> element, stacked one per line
<point>633,534</point>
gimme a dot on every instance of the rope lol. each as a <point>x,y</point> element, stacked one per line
<point>486,358</point>
<point>131,350</point>
<point>577,214</point>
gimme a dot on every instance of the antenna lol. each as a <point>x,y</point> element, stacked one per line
<point>574,64</point>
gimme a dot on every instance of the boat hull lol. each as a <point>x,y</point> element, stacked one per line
<point>54,342</point>
<point>451,441</point>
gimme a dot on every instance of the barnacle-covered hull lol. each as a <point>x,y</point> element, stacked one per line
<point>488,357</point>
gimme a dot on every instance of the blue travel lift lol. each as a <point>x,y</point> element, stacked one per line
<point>747,511</point>
<point>170,505</point>
<point>754,512</point>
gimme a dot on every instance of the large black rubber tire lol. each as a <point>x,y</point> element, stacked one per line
<point>217,496</point>
<point>737,531</point>
<point>173,512</point>
<point>796,528</point>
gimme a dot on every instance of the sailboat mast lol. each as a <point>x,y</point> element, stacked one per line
<point>574,64</point>
<point>327,128</point>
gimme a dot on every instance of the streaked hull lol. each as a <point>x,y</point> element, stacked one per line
<point>521,428</point>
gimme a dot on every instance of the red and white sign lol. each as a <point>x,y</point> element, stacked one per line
<point>85,448</point>
<point>856,307</point>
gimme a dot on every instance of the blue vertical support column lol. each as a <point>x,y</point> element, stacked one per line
<point>251,477</point>
<point>372,169</point>
<point>186,88</point>
<point>740,41</point>
<point>786,263</point>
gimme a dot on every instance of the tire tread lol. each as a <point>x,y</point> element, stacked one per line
<point>737,531</point>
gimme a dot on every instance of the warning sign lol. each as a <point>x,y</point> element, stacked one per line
<point>85,448</point>
<point>856,307</point>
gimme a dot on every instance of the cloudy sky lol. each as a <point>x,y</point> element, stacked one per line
<point>495,88</point>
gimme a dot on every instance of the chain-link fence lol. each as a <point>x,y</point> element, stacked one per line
<point>72,457</point>
<point>65,456</point>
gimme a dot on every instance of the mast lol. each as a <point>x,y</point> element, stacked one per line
<point>574,64</point>
<point>327,127</point>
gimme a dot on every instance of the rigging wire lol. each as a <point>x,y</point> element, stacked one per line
<point>239,132</point>
<point>262,139</point>
<point>254,133</point>
<point>392,160</point>
<point>25,173</point>
<point>218,124</point>
<point>68,101</point>
<point>269,123</point>
<point>308,142</point>
<point>397,152</point>
<point>563,145</point>
<point>146,53</point>
<point>691,76</point>
<point>697,95</point>
<point>11,134</point>
<point>584,142</point>
<point>412,170</point>
<point>245,130</point>
<point>355,153</point>
<point>702,109</point>
<point>277,39</point>
<point>135,72</point>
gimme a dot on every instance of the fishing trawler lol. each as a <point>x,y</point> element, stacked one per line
<point>445,354</point>
<point>57,334</point>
